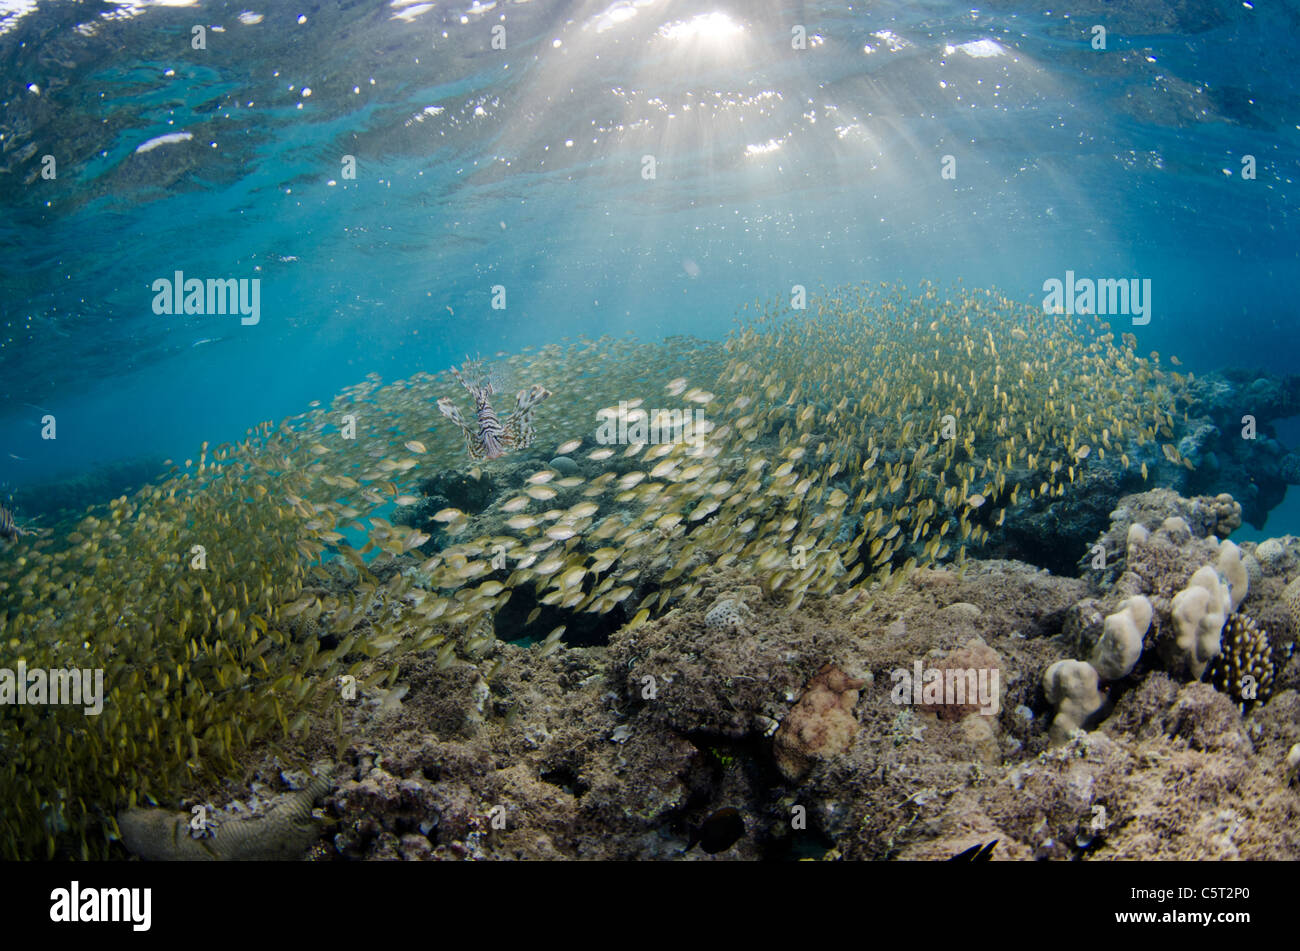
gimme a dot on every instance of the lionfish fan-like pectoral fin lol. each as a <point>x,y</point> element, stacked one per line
<point>448,409</point>
<point>517,436</point>
<point>529,398</point>
<point>519,424</point>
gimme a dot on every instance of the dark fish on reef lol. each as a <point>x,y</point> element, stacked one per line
<point>718,832</point>
<point>979,852</point>
<point>492,438</point>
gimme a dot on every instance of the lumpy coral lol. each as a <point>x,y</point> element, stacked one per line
<point>820,725</point>
<point>1121,642</point>
<point>1071,687</point>
<point>1199,611</point>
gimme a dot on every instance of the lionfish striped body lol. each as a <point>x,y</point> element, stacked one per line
<point>10,529</point>
<point>493,438</point>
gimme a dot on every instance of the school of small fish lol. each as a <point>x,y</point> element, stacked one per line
<point>842,446</point>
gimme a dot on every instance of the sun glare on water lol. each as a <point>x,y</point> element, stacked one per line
<point>707,27</point>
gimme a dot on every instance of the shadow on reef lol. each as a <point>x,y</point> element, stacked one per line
<point>73,494</point>
<point>458,489</point>
<point>1232,438</point>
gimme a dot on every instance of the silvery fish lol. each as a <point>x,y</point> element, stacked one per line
<point>492,438</point>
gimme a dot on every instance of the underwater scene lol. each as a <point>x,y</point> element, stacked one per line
<point>680,430</point>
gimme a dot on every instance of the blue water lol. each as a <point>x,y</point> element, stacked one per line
<point>523,167</point>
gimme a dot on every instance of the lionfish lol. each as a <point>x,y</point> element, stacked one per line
<point>493,438</point>
<point>9,528</point>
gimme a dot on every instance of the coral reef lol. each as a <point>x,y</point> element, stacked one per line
<point>1232,440</point>
<point>620,751</point>
<point>1199,612</point>
<point>1244,667</point>
<point>728,616</point>
<point>1225,457</point>
<point>820,725</point>
<point>1120,645</point>
<point>1106,559</point>
<point>1071,687</point>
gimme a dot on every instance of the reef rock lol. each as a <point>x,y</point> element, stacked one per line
<point>282,831</point>
<point>1137,516</point>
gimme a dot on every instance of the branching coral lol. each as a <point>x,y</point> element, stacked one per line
<point>1245,668</point>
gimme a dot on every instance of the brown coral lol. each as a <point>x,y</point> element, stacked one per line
<point>973,657</point>
<point>821,724</point>
<point>1291,598</point>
